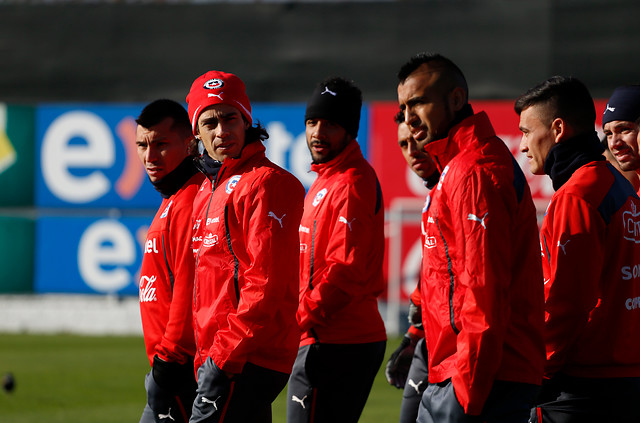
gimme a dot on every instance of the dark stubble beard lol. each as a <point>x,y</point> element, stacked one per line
<point>333,153</point>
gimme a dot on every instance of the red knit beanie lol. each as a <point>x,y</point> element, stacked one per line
<point>215,87</point>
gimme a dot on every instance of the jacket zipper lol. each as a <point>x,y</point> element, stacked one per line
<point>195,279</point>
<point>313,241</point>
<point>236,262</point>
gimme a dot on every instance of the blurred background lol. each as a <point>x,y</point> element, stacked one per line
<point>75,202</point>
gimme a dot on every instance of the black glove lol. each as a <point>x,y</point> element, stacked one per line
<point>166,383</point>
<point>174,377</point>
<point>415,315</point>
<point>398,365</point>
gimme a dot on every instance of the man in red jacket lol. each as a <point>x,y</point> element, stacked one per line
<point>341,252</point>
<point>166,277</point>
<point>246,219</point>
<point>407,367</point>
<point>590,259</point>
<point>481,284</point>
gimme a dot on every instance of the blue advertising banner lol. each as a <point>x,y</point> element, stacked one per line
<point>87,154</point>
<point>87,162</point>
<point>89,255</point>
<point>87,158</point>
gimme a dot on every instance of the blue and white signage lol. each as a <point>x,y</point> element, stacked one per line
<point>89,255</point>
<point>87,158</point>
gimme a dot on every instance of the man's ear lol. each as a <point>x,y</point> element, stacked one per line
<point>457,99</point>
<point>559,130</point>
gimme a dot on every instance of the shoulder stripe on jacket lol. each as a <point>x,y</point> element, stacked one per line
<point>616,196</point>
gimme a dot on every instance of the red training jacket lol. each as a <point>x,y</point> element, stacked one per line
<point>341,253</point>
<point>590,240</point>
<point>246,244</point>
<point>166,278</point>
<point>482,292</point>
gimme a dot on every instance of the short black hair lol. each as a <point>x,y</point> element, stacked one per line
<point>565,97</point>
<point>158,110</point>
<point>452,72</point>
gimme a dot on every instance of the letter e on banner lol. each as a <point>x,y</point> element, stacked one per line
<point>105,249</point>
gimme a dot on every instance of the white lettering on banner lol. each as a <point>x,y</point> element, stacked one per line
<point>150,246</point>
<point>105,248</point>
<point>58,156</point>
<point>282,141</point>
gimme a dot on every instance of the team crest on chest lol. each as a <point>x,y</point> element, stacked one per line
<point>319,196</point>
<point>166,211</point>
<point>231,184</point>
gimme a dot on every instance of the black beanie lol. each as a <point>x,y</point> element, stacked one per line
<point>624,104</point>
<point>337,100</point>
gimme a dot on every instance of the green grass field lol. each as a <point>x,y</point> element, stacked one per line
<point>67,378</point>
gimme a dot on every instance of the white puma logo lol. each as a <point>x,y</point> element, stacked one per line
<point>166,416</point>
<point>328,91</point>
<point>215,95</point>
<point>342,219</point>
<point>610,109</point>
<point>563,246</point>
<point>208,401</point>
<point>301,401</point>
<point>272,214</point>
<point>477,219</point>
<point>414,385</point>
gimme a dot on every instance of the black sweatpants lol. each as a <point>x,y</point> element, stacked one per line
<point>245,398</point>
<point>417,381</point>
<point>330,383</point>
<point>567,399</point>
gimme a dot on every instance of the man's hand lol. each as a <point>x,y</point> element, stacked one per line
<point>398,365</point>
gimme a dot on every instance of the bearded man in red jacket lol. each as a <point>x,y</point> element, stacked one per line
<point>590,259</point>
<point>481,284</point>
<point>341,252</point>
<point>163,137</point>
<point>246,218</point>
